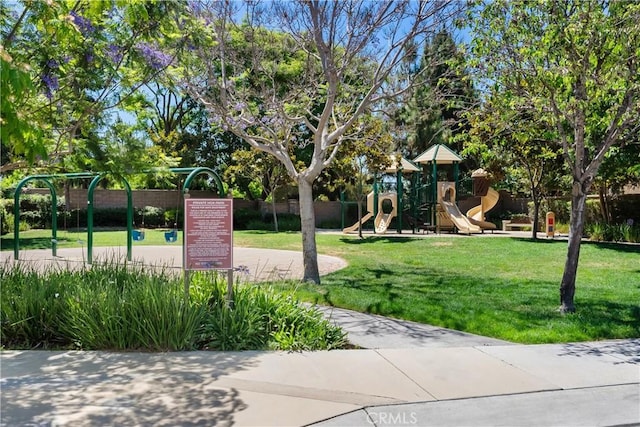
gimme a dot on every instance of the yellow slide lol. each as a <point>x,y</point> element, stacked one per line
<point>461,222</point>
<point>476,213</point>
<point>382,220</point>
<point>355,226</point>
<point>446,198</point>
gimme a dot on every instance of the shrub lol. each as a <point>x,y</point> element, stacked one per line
<point>242,218</point>
<point>172,217</point>
<point>259,224</point>
<point>601,232</point>
<point>130,307</point>
<point>261,318</point>
<point>288,222</point>
<point>631,233</point>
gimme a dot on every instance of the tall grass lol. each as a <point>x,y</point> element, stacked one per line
<point>130,307</point>
<point>602,232</point>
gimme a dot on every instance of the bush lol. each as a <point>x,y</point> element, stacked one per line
<point>243,217</point>
<point>261,318</point>
<point>560,207</point>
<point>602,232</point>
<point>260,225</point>
<point>172,217</point>
<point>130,307</point>
<point>288,222</point>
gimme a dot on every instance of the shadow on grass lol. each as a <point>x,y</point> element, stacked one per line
<point>375,239</point>
<point>519,309</point>
<point>31,242</point>
<point>618,247</point>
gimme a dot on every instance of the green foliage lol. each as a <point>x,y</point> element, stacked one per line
<point>433,113</point>
<point>66,66</point>
<point>243,217</point>
<point>113,306</point>
<point>151,216</point>
<point>262,318</point>
<point>603,232</point>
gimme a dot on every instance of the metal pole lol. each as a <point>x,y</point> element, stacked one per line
<point>92,187</point>
<point>399,194</point>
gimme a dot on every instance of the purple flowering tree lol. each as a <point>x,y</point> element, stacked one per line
<point>69,70</point>
<point>293,74</point>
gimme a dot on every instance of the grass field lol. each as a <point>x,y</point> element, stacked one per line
<point>500,287</point>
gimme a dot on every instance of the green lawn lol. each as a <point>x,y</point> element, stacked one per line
<point>500,287</point>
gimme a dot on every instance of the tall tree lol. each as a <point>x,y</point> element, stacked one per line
<point>576,63</point>
<point>432,115</point>
<point>327,65</point>
<point>261,168</point>
<point>512,143</point>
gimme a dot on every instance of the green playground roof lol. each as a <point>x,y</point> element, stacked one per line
<point>440,154</point>
<point>406,165</point>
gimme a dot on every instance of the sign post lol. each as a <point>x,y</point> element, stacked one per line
<point>208,238</point>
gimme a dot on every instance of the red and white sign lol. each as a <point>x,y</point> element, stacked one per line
<point>208,234</point>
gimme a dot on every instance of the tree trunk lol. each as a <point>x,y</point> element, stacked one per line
<point>568,284</point>
<point>308,225</point>
<point>360,217</point>
<point>604,204</point>
<point>536,218</point>
<point>273,211</point>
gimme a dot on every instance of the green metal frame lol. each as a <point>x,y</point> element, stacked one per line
<point>54,212</point>
<point>92,187</point>
<point>96,178</point>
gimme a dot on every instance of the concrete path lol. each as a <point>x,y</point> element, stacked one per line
<point>254,264</point>
<point>539,385</point>
<point>374,332</point>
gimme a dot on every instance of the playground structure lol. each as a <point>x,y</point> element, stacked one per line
<point>95,180</point>
<point>428,203</point>
<point>382,220</point>
<point>488,199</point>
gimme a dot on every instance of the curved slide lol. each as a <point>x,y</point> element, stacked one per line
<point>476,213</point>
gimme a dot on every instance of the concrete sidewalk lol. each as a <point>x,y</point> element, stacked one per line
<point>538,385</point>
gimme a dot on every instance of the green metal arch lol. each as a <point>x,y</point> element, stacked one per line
<point>92,187</point>
<point>16,213</point>
<point>203,170</point>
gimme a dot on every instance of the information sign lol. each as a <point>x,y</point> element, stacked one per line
<point>208,234</point>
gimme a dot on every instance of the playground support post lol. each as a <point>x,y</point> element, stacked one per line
<point>92,187</point>
<point>456,178</point>
<point>16,214</point>
<point>399,194</point>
